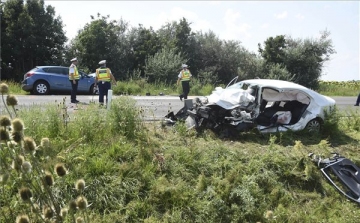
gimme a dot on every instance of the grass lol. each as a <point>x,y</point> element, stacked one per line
<point>147,172</point>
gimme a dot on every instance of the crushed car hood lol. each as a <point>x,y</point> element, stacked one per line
<point>230,98</point>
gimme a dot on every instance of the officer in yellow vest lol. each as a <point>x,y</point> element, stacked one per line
<point>74,79</point>
<point>184,76</point>
<point>103,80</point>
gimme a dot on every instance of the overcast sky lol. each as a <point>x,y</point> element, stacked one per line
<point>250,22</point>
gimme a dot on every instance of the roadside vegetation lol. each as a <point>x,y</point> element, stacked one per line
<point>141,87</point>
<point>109,166</point>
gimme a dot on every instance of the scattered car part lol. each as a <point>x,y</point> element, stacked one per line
<point>342,173</point>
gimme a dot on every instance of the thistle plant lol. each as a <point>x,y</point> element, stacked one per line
<point>31,191</point>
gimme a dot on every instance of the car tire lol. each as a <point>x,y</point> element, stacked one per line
<point>313,126</point>
<point>93,90</point>
<point>41,88</point>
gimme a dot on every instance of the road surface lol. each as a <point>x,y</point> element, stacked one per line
<point>155,107</point>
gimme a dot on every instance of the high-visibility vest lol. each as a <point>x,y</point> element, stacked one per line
<point>103,74</point>
<point>185,75</point>
<point>76,73</point>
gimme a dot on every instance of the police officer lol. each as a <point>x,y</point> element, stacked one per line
<point>74,79</point>
<point>184,77</point>
<point>103,80</point>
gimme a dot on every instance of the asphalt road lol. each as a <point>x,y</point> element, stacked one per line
<point>155,107</point>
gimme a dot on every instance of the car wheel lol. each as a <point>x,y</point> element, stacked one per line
<point>41,88</point>
<point>313,126</point>
<point>94,90</point>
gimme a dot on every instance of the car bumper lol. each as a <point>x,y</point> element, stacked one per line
<point>25,86</point>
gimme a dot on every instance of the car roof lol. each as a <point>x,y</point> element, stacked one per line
<point>51,66</point>
<point>275,83</point>
<point>280,84</point>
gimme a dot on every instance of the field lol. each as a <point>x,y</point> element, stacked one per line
<point>104,165</point>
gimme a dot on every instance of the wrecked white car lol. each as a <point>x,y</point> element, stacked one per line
<point>266,104</point>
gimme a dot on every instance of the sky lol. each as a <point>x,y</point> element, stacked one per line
<point>250,22</point>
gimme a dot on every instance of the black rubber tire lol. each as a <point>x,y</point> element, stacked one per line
<point>41,88</point>
<point>313,125</point>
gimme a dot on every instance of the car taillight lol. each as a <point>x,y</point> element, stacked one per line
<point>29,74</point>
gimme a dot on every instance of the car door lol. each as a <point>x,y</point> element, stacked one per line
<point>85,82</point>
<point>58,78</point>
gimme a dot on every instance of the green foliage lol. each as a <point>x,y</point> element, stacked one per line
<point>141,172</point>
<point>302,60</point>
<point>164,66</point>
<point>33,36</point>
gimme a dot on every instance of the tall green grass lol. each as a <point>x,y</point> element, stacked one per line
<point>147,172</point>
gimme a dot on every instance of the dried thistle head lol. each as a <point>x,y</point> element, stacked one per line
<point>25,194</point>
<point>4,88</point>
<point>5,121</point>
<point>64,212</point>
<point>80,185</point>
<point>26,167</point>
<point>269,215</point>
<point>17,162</point>
<point>4,134</point>
<point>80,220</point>
<point>4,178</point>
<point>81,202</point>
<point>22,219</point>
<point>48,179</point>
<point>72,205</point>
<point>11,100</point>
<point>17,136</point>
<point>60,169</point>
<point>18,125</point>
<point>29,145</point>
<point>47,212</point>
<point>45,143</point>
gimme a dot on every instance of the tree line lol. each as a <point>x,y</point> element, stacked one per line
<point>31,36</point>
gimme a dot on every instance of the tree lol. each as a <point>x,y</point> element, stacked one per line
<point>144,42</point>
<point>163,66</point>
<point>103,40</point>
<point>33,35</point>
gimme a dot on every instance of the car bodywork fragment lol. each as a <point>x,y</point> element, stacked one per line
<point>342,173</point>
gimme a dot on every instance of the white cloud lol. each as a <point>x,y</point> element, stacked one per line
<point>215,2</point>
<point>300,16</point>
<point>265,26</point>
<point>176,14</point>
<point>282,15</point>
<point>233,28</point>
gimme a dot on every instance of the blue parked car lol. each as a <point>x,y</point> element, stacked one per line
<point>42,80</point>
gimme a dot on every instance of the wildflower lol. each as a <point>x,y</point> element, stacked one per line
<point>269,215</point>
<point>11,100</point>
<point>48,213</point>
<point>18,125</point>
<point>48,179</point>
<point>25,194</point>
<point>4,134</point>
<point>17,162</point>
<point>5,121</point>
<point>29,144</point>
<point>22,219</point>
<point>26,167</point>
<point>4,88</point>
<point>80,185</point>
<point>45,143</point>
<point>64,212</point>
<point>17,136</point>
<point>79,220</point>
<point>81,202</point>
<point>60,169</point>
<point>72,205</point>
